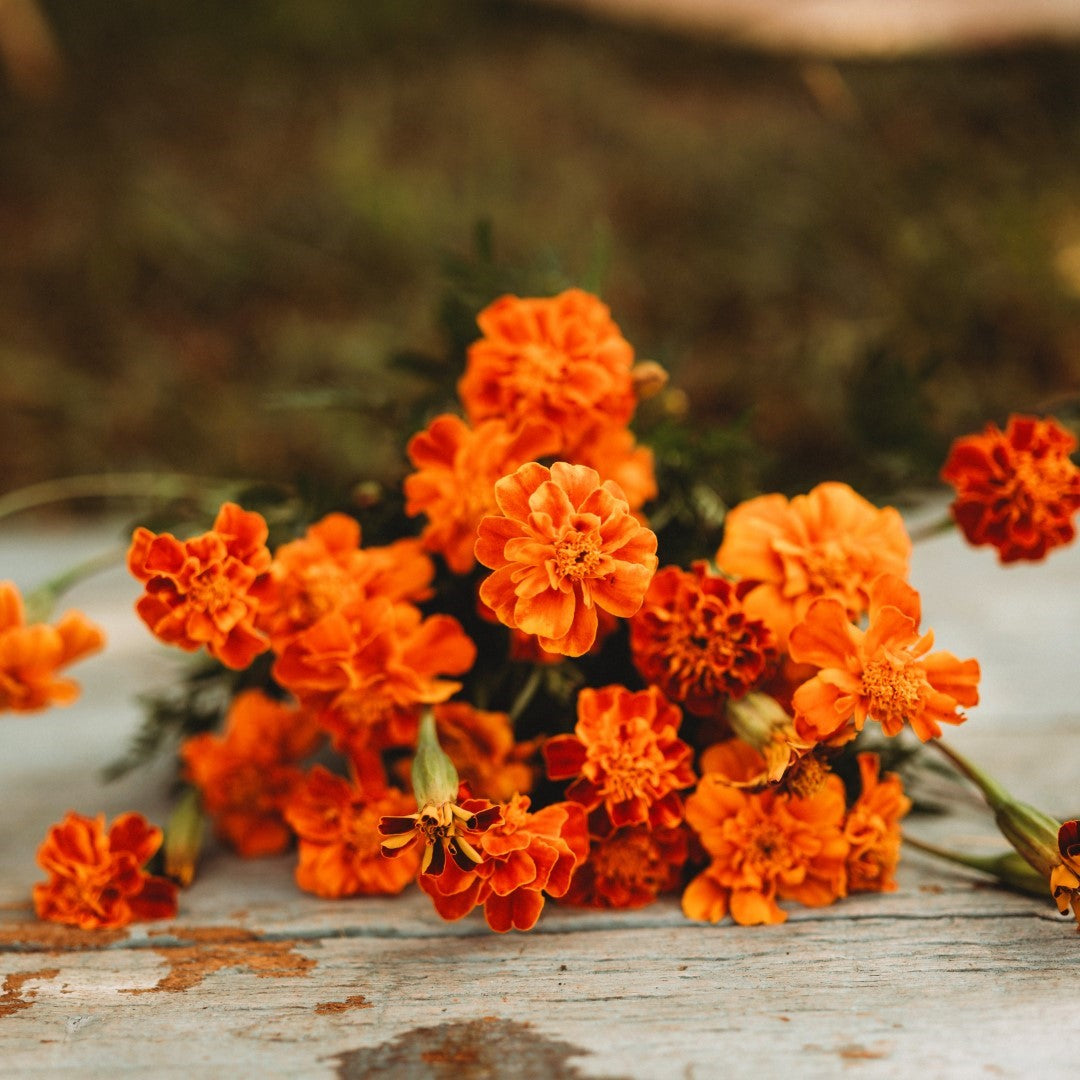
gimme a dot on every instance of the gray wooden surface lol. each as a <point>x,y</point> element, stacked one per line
<point>949,976</point>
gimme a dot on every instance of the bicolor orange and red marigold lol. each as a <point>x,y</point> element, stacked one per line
<point>247,775</point>
<point>625,758</point>
<point>523,858</point>
<point>206,591</point>
<point>1065,877</point>
<point>693,639</point>
<point>32,655</point>
<point>563,545</point>
<point>884,673</point>
<point>1016,490</point>
<point>830,542</point>
<point>96,876</point>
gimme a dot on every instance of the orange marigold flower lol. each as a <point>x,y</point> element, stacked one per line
<point>873,829</point>
<point>885,672</point>
<point>630,868</point>
<point>31,655</point>
<point>615,455</point>
<point>829,542</point>
<point>327,570</point>
<point>765,846</point>
<point>1065,879</point>
<point>693,639</point>
<point>457,470</point>
<point>627,758</point>
<point>337,825</point>
<point>1015,489</point>
<point>374,664</point>
<point>206,591</point>
<point>452,828</point>
<point>559,359</point>
<point>247,774</point>
<point>564,546</point>
<point>523,857</point>
<point>96,878</point>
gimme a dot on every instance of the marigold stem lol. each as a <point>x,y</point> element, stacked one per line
<point>40,602</point>
<point>994,793</point>
<point>933,528</point>
<point>527,692</point>
<point>1008,867</point>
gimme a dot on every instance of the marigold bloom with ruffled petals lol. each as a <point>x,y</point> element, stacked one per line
<point>32,654</point>
<point>829,542</point>
<point>246,775</point>
<point>327,570</point>
<point>627,759</point>
<point>630,868</point>
<point>337,826</point>
<point>458,467</point>
<point>564,545</point>
<point>206,591</point>
<point>523,857</point>
<point>560,359</point>
<point>1016,489</point>
<point>872,828</point>
<point>693,639</point>
<point>765,846</point>
<point>96,878</point>
<point>885,672</point>
<point>1065,879</point>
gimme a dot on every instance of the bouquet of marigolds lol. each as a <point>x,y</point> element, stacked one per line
<point>509,688</point>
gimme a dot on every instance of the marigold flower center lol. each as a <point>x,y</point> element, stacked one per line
<point>766,847</point>
<point>896,689</point>
<point>828,567</point>
<point>629,772</point>
<point>578,555</point>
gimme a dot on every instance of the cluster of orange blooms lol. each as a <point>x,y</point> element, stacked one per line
<point>712,768</point>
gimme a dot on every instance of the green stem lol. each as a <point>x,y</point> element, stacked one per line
<point>1009,867</point>
<point>40,602</point>
<point>931,529</point>
<point>994,793</point>
<point>527,692</point>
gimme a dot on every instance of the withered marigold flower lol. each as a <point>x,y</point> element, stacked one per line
<point>564,545</point>
<point>32,654</point>
<point>206,591</point>
<point>246,775</point>
<point>765,846</point>
<point>1065,878</point>
<point>337,825</point>
<point>693,639</point>
<point>523,857</point>
<point>380,658</point>
<point>830,542</point>
<point>630,868</point>
<point>559,359</point>
<point>1016,489</point>
<point>327,570</point>
<point>872,829</point>
<point>96,878</point>
<point>885,672</point>
<point>457,467</point>
<point>627,759</point>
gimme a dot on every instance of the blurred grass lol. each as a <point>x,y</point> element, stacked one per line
<point>228,210</point>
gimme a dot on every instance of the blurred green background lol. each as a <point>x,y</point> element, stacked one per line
<point>241,239</point>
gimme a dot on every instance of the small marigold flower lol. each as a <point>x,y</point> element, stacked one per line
<point>1016,489</point>
<point>626,757</point>
<point>96,878</point>
<point>872,829</point>
<point>337,826</point>
<point>559,359</point>
<point>31,655</point>
<point>247,774</point>
<point>457,467</point>
<point>765,846</point>
<point>1065,878</point>
<point>630,868</point>
<point>886,672</point>
<point>523,857</point>
<point>378,660</point>
<point>693,639</point>
<point>206,591</point>
<point>564,546</point>
<point>830,542</point>
<point>327,570</point>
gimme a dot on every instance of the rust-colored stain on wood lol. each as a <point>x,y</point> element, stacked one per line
<point>220,947</point>
<point>356,1001</point>
<point>855,1052</point>
<point>35,936</point>
<point>12,996</point>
